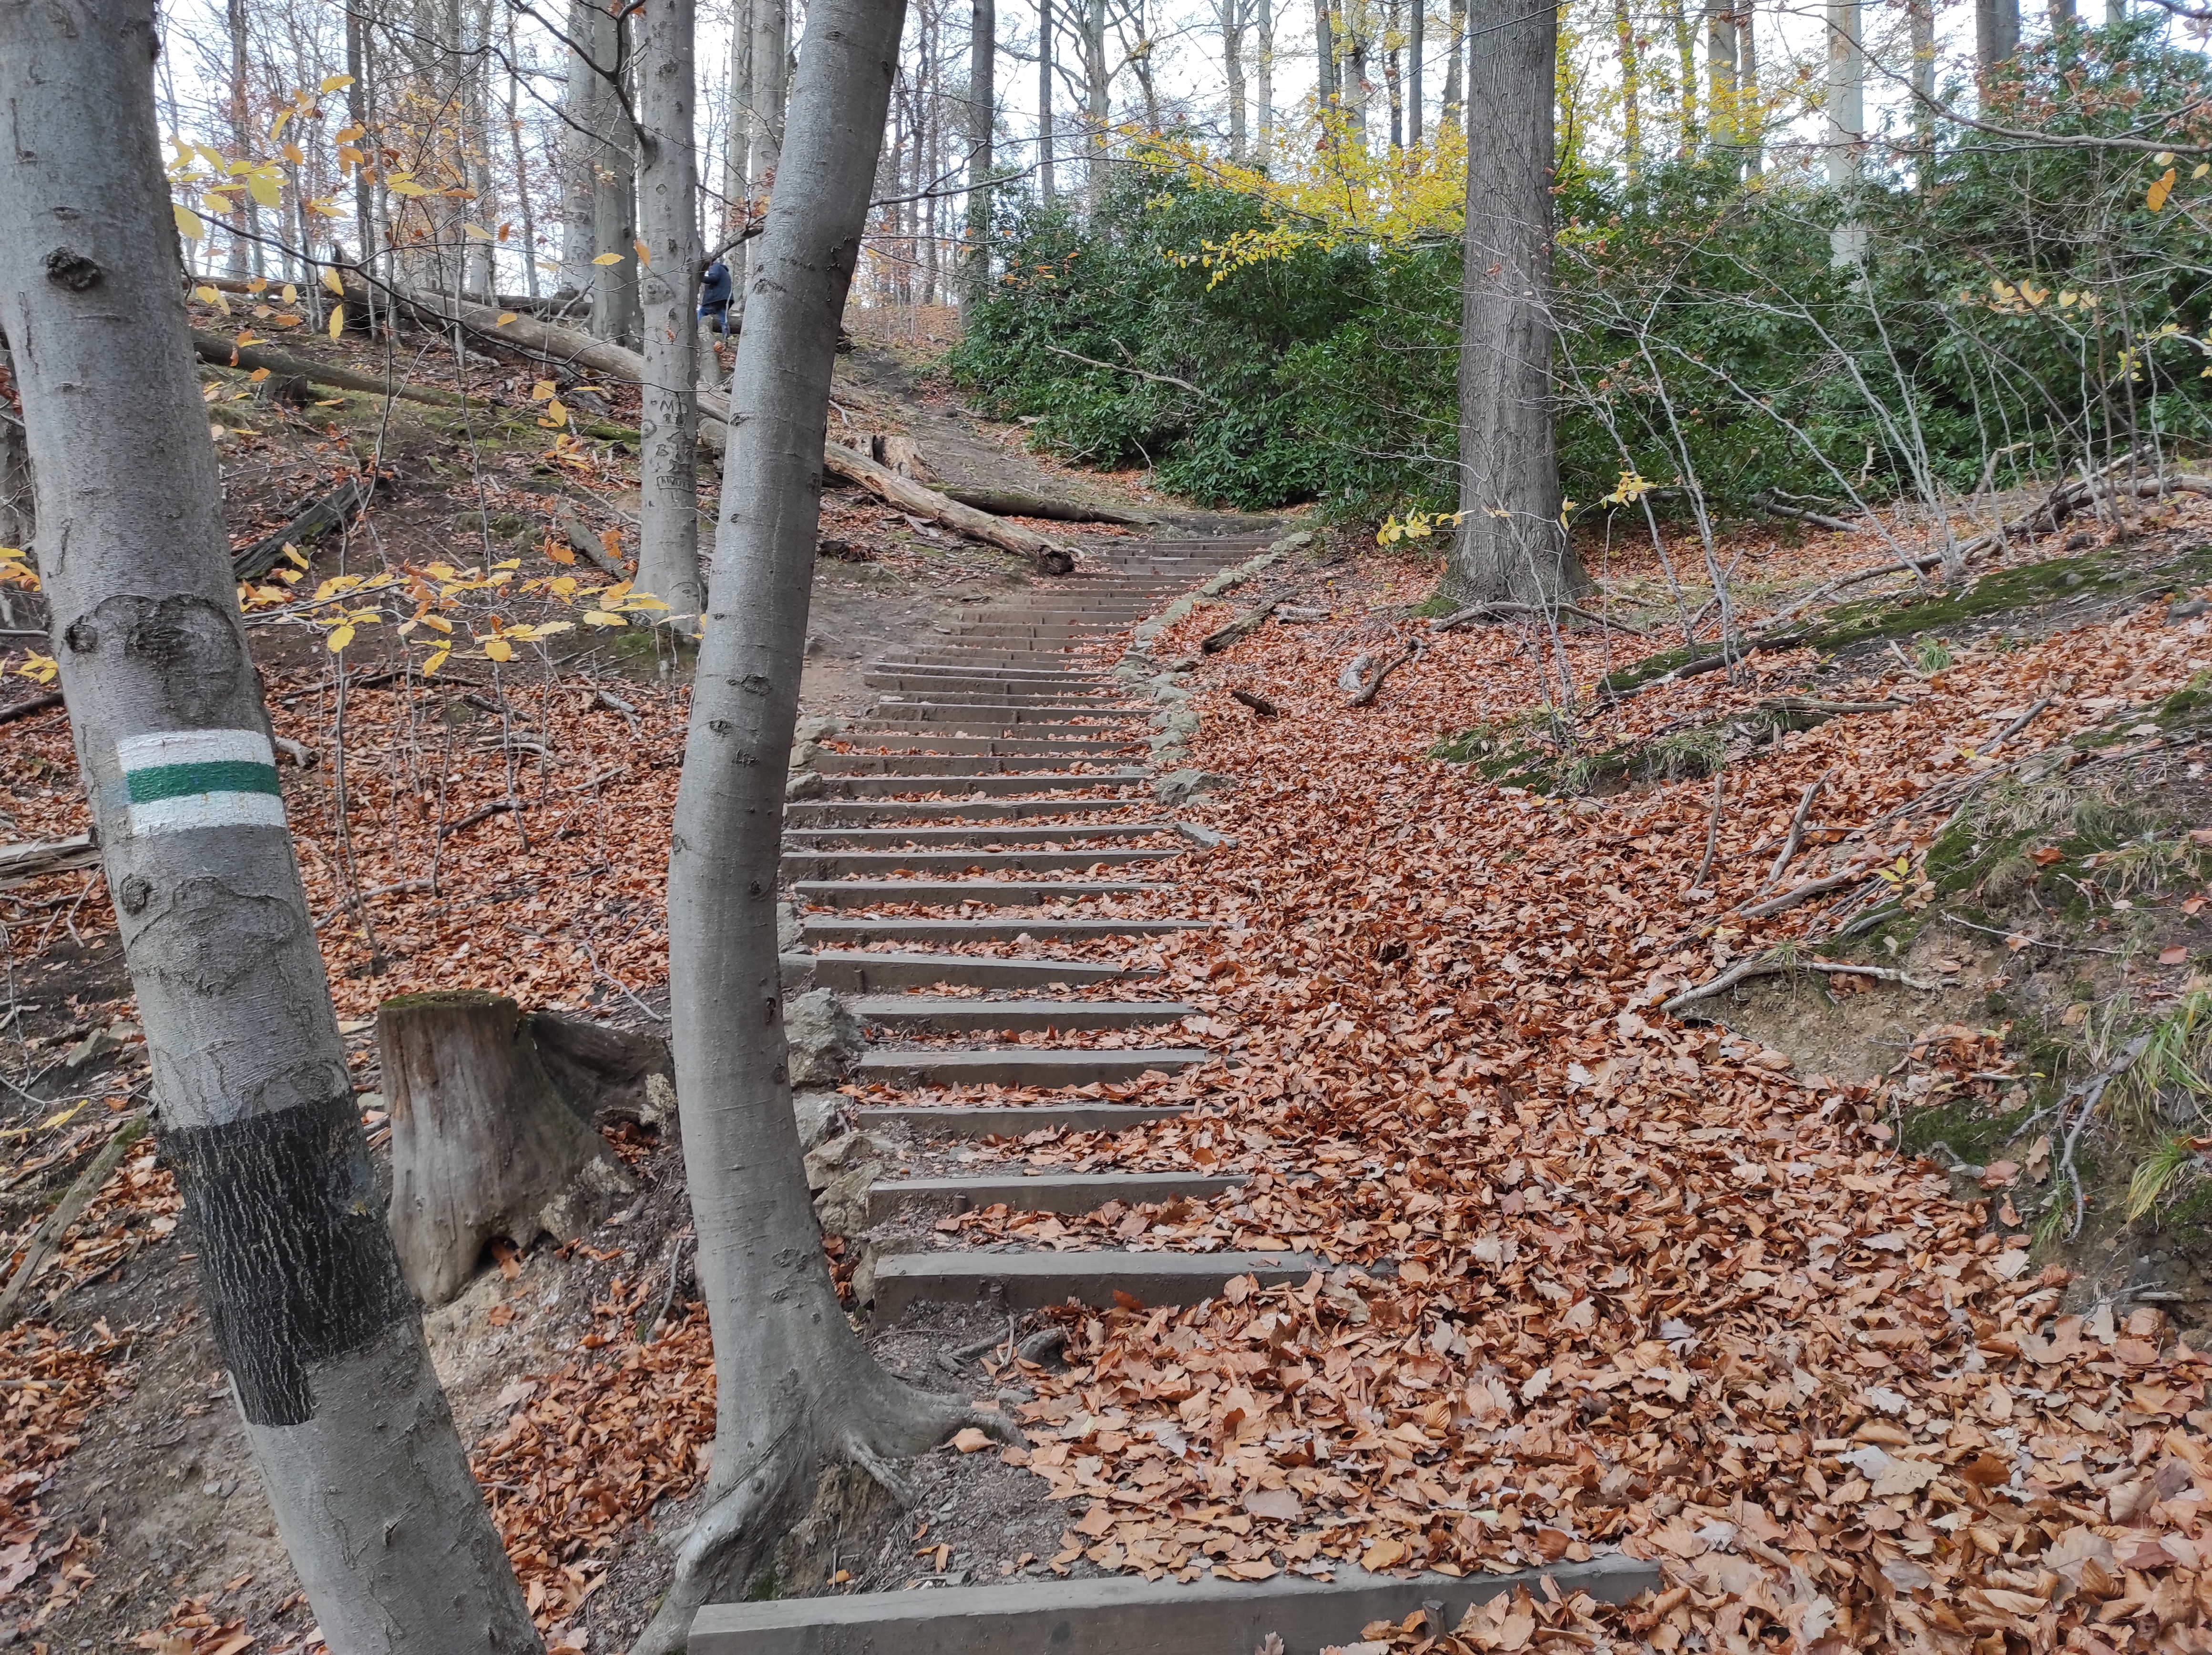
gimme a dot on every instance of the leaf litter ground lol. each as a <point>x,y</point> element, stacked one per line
<point>1600,1279</point>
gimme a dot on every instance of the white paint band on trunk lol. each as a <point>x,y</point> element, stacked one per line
<point>178,781</point>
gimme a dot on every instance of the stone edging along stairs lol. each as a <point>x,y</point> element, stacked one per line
<point>1000,789</point>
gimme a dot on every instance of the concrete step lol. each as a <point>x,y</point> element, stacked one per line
<point>937,671</point>
<point>957,764</point>
<point>1123,736</point>
<point>813,865</point>
<point>1019,1065</point>
<point>1127,1615</point>
<point>969,782</point>
<point>953,710</point>
<point>817,839</point>
<point>1061,1192</point>
<point>898,928</point>
<point>927,1014</point>
<point>949,892</point>
<point>952,1120</point>
<point>861,813</point>
<point>856,972</point>
<point>1099,749</point>
<point>1030,1281</point>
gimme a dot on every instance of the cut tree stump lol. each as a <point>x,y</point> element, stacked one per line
<point>485,1142</point>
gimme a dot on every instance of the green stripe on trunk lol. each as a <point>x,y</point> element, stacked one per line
<point>171,781</point>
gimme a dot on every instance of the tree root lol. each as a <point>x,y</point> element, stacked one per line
<point>1770,965</point>
<point>744,1519</point>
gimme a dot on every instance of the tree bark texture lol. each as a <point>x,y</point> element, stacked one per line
<point>1325,88</point>
<point>1044,102</point>
<point>18,517</point>
<point>483,1145</point>
<point>768,61</point>
<point>983,117</point>
<point>795,1389</point>
<point>614,313</point>
<point>1996,33</point>
<point>668,280</point>
<point>1416,45</point>
<point>342,1413</point>
<point>1263,100</point>
<point>1510,544</point>
<point>1451,114</point>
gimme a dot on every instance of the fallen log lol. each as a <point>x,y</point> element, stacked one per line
<point>223,353</point>
<point>1243,627</point>
<point>1045,556</point>
<point>330,511</point>
<point>46,1240</point>
<point>1506,611</point>
<point>602,356</point>
<point>1015,502</point>
<point>31,708</point>
<point>34,858</point>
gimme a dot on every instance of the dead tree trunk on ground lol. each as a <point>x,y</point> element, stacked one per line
<point>795,1389</point>
<point>483,1144</point>
<point>343,1417</point>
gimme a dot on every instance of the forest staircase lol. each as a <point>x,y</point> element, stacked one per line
<point>1002,771</point>
<point>996,793</point>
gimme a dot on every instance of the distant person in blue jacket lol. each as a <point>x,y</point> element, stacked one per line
<point>714,298</point>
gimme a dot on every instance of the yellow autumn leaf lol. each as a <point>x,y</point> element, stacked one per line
<point>601,618</point>
<point>334,82</point>
<point>548,628</point>
<point>643,256</point>
<point>555,412</point>
<point>608,258</point>
<point>541,391</point>
<point>334,281</point>
<point>265,189</point>
<point>498,649</point>
<point>2160,190</point>
<point>188,224</point>
<point>339,638</point>
<point>337,320</point>
<point>435,661</point>
<point>476,232</point>
<point>508,563</point>
<point>293,154</point>
<point>642,601</point>
<point>504,317</point>
<point>559,552</point>
<point>257,376</point>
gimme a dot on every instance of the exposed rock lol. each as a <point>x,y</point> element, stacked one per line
<point>839,1171</point>
<point>805,785</point>
<point>817,727</point>
<point>1181,786</point>
<point>817,1114</point>
<point>824,1036</point>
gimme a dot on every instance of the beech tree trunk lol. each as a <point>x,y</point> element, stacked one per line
<point>1510,544</point>
<point>1325,89</point>
<point>982,116</point>
<point>1416,47</point>
<point>18,518</point>
<point>795,1389</point>
<point>483,1145</point>
<point>1044,101</point>
<point>614,313</point>
<point>668,281</point>
<point>1264,99</point>
<point>1996,33</point>
<point>580,103</point>
<point>344,1417</point>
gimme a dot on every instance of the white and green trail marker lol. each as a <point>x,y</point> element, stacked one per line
<point>180,780</point>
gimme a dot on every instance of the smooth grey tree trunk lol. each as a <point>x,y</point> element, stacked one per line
<point>343,1417</point>
<point>1449,115</point>
<point>1996,33</point>
<point>1095,88</point>
<point>1921,17</point>
<point>1325,86</point>
<point>1416,45</point>
<point>795,1389</point>
<point>983,117</point>
<point>522,193</point>
<point>1721,129</point>
<point>769,61</point>
<point>668,279</point>
<point>581,103</point>
<point>1230,15</point>
<point>1510,544</point>
<point>18,517</point>
<point>615,313</point>
<point>1264,93</point>
<point>1846,134</point>
<point>737,147</point>
<point>1044,102</point>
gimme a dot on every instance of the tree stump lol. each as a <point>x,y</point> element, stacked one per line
<point>484,1143</point>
